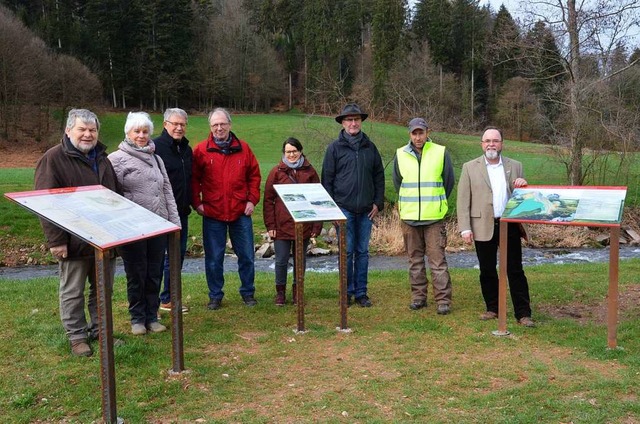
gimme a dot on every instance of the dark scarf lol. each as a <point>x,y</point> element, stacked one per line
<point>353,140</point>
<point>223,144</point>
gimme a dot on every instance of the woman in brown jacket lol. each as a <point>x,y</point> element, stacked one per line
<point>294,168</point>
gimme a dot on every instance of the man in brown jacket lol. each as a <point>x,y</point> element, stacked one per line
<point>485,186</point>
<point>79,160</point>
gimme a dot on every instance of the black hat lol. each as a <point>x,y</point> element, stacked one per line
<point>350,109</point>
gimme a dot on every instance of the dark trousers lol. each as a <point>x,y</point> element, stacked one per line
<point>284,250</point>
<point>165,294</point>
<point>518,285</point>
<point>143,262</point>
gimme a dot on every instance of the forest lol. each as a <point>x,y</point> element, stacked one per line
<point>565,73</point>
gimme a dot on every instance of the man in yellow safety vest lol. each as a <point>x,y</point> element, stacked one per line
<point>423,177</point>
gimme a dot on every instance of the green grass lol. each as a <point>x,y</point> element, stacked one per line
<point>248,365</point>
<point>266,133</point>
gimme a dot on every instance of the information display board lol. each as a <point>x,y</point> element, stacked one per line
<point>94,214</point>
<point>312,203</point>
<point>562,205</point>
<point>593,206</point>
<point>309,202</point>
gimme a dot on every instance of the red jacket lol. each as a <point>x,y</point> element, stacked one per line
<point>223,181</point>
<point>276,215</point>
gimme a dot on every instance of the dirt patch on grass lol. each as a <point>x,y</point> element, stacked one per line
<point>628,304</point>
<point>16,155</point>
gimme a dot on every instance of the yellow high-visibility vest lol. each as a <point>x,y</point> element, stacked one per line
<point>422,196</point>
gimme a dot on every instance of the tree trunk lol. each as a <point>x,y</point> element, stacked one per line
<point>575,165</point>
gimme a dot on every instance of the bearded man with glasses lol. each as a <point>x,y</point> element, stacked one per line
<point>485,186</point>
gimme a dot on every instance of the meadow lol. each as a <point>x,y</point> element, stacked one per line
<point>248,365</point>
<point>20,231</point>
<point>397,365</point>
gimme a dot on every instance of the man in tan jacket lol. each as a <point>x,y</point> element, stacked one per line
<point>485,186</point>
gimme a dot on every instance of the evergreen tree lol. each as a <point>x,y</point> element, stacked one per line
<point>389,18</point>
<point>432,23</point>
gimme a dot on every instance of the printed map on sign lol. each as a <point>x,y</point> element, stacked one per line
<point>95,214</point>
<point>309,202</point>
<point>567,205</point>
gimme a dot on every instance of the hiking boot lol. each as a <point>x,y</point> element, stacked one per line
<point>138,329</point>
<point>167,307</point>
<point>417,304</point>
<point>249,300</point>
<point>443,309</point>
<point>80,348</point>
<point>489,315</point>
<point>281,296</point>
<point>156,327</point>
<point>214,304</point>
<point>526,322</point>
<point>363,301</point>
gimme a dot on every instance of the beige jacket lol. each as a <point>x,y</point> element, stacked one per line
<point>475,197</point>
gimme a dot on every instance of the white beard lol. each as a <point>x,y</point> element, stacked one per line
<point>83,148</point>
<point>492,154</point>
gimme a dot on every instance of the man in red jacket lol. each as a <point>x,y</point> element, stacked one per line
<point>225,188</point>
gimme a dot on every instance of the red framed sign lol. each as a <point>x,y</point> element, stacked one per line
<point>95,214</point>
<point>566,205</point>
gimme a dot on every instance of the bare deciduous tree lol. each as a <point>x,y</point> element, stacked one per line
<point>589,29</point>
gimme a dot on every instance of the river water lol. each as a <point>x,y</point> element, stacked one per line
<point>531,257</point>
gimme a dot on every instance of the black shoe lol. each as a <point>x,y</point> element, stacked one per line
<point>417,304</point>
<point>214,304</point>
<point>443,309</point>
<point>249,300</point>
<point>363,301</point>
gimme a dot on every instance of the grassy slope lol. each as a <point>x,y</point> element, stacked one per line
<point>266,133</point>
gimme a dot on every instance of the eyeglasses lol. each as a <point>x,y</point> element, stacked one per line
<point>177,124</point>
<point>357,119</point>
<point>492,141</point>
<point>291,152</point>
<point>222,125</point>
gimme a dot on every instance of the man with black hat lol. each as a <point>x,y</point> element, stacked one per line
<point>352,173</point>
<point>424,179</point>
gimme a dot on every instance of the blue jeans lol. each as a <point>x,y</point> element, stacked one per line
<point>214,238</point>
<point>358,235</point>
<point>165,294</point>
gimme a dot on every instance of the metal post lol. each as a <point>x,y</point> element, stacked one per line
<point>612,304</point>
<point>104,287</point>
<point>342,264</point>
<point>502,282</point>
<point>299,273</point>
<point>175,288</point>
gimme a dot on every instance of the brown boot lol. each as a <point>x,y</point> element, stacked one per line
<point>280,294</point>
<point>80,348</point>
<point>294,290</point>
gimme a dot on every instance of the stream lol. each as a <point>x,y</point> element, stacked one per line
<point>464,259</point>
